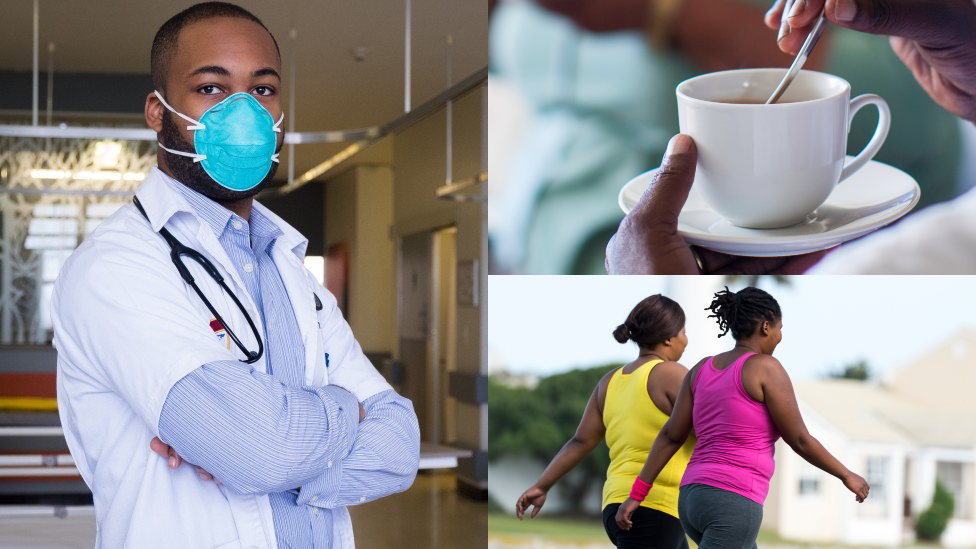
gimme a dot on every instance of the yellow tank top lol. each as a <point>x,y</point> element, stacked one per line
<point>633,422</point>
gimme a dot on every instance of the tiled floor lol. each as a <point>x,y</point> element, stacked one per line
<point>30,532</point>
<point>430,515</point>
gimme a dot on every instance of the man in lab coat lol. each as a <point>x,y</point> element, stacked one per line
<point>198,422</point>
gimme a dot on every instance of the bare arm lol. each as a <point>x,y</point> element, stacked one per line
<point>781,402</point>
<point>588,435</point>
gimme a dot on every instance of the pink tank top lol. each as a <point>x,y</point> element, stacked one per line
<point>735,434</point>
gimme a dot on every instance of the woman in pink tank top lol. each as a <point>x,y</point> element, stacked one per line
<point>739,403</point>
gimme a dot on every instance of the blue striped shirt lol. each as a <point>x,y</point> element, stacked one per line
<point>268,433</point>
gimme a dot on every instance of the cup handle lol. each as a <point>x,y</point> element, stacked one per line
<point>884,122</point>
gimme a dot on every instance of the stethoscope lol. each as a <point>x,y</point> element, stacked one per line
<point>178,250</point>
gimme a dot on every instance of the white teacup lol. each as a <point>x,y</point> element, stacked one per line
<point>767,166</point>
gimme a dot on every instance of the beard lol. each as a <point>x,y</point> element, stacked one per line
<point>192,174</point>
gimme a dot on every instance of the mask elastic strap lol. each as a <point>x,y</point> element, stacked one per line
<point>196,123</point>
<point>277,128</point>
<point>196,157</point>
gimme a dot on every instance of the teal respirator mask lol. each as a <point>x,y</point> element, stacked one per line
<point>234,140</point>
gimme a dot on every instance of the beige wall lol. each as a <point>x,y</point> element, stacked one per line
<point>445,254</point>
<point>359,211</point>
<point>807,517</point>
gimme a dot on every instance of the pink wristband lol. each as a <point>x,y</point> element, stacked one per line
<point>640,490</point>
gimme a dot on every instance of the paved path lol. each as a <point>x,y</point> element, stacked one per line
<point>502,541</point>
<point>540,542</point>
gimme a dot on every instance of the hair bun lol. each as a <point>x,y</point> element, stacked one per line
<point>622,334</point>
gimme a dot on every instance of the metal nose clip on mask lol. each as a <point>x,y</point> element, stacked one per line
<point>234,141</point>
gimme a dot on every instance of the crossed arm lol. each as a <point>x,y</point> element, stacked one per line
<point>257,435</point>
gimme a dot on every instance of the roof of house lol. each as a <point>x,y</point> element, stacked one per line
<point>870,412</point>
<point>944,377</point>
<point>930,402</point>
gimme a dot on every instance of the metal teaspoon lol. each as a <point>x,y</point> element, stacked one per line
<point>801,58</point>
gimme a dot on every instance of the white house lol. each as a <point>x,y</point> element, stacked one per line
<point>901,435</point>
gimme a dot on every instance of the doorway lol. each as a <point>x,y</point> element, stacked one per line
<point>427,321</point>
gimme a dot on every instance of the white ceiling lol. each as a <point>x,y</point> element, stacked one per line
<point>332,91</point>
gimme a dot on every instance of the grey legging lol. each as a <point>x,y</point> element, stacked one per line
<point>719,519</point>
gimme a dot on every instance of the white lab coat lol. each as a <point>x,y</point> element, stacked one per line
<point>127,328</point>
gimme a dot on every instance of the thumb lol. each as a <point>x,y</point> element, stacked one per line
<point>666,195</point>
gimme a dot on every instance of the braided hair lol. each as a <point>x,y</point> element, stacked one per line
<point>742,312</point>
<point>654,320</point>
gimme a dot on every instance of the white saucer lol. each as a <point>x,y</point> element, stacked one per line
<point>876,195</point>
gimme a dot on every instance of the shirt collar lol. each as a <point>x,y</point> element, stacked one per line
<point>163,197</point>
<point>264,233</point>
<point>215,215</point>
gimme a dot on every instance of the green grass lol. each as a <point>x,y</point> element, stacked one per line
<point>583,529</point>
<point>765,536</point>
<point>557,527</point>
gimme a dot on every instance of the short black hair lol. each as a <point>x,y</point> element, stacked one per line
<point>655,319</point>
<point>742,312</point>
<point>164,44</point>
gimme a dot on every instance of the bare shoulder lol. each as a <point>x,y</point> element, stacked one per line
<point>765,365</point>
<point>694,371</point>
<point>671,368</point>
<point>763,361</point>
<point>601,386</point>
<point>605,380</point>
<point>667,374</point>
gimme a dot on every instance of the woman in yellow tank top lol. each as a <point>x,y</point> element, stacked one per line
<point>628,407</point>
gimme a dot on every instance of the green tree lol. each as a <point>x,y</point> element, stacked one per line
<point>933,521</point>
<point>538,422</point>
<point>857,370</point>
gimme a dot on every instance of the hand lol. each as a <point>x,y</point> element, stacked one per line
<point>533,496</point>
<point>625,511</point>
<point>362,411</point>
<point>936,39</point>
<point>601,15</point>
<point>174,459</point>
<point>858,485</point>
<point>648,242</point>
